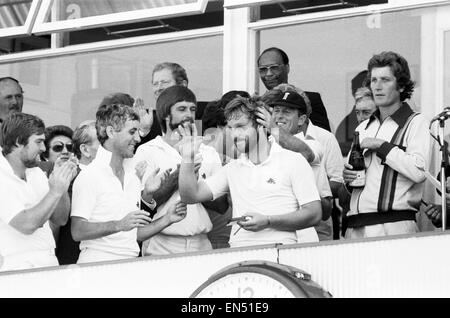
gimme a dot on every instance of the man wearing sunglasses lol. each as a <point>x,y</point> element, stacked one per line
<point>274,68</point>
<point>58,143</point>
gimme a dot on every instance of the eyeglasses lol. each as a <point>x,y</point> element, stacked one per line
<point>276,68</point>
<point>60,147</point>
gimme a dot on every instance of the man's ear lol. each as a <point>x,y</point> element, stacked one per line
<point>110,132</point>
<point>184,83</point>
<point>288,68</point>
<point>83,151</point>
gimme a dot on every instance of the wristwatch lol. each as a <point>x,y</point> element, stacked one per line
<point>260,279</point>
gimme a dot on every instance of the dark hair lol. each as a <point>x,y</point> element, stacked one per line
<point>53,131</point>
<point>213,115</point>
<point>360,80</point>
<point>17,128</point>
<point>178,72</point>
<point>117,98</point>
<point>283,54</point>
<point>169,97</point>
<point>114,115</point>
<point>81,136</point>
<point>399,67</point>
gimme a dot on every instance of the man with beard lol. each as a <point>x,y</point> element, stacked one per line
<point>29,200</point>
<point>176,108</point>
<point>11,97</point>
<point>272,189</point>
<point>106,214</point>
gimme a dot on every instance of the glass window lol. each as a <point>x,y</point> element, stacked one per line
<point>446,70</point>
<point>324,57</point>
<point>66,15</point>
<point>16,16</point>
<point>68,89</point>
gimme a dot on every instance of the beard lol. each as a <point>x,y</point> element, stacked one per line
<point>174,126</point>
<point>30,163</point>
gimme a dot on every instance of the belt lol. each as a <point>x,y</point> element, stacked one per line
<point>365,219</point>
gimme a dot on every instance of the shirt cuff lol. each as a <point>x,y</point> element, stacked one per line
<point>384,150</point>
<point>151,204</point>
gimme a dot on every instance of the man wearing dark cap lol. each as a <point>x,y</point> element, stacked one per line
<point>274,68</point>
<point>176,107</point>
<point>289,115</point>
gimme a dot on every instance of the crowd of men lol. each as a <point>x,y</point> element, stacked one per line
<point>263,169</point>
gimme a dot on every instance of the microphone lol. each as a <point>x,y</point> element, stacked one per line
<point>445,114</point>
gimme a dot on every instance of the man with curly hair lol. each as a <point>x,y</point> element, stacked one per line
<point>396,142</point>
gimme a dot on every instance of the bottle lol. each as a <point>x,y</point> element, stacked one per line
<point>356,159</point>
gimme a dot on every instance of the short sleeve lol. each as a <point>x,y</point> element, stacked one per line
<point>11,201</point>
<point>83,195</point>
<point>303,181</point>
<point>218,182</point>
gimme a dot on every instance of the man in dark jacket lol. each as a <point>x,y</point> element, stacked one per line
<point>273,66</point>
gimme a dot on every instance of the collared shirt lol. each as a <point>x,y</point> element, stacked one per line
<point>159,154</point>
<point>318,166</point>
<point>408,161</point>
<point>279,185</point>
<point>98,196</point>
<point>17,195</point>
<point>332,155</point>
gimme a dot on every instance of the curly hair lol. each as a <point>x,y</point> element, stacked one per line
<point>114,115</point>
<point>399,67</point>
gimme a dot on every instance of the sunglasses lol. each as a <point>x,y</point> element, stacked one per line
<point>60,147</point>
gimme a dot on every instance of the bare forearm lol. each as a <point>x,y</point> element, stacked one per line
<point>31,219</point>
<point>306,217</point>
<point>295,144</point>
<point>164,192</point>
<point>144,233</point>
<point>188,183</point>
<point>62,211</point>
<point>83,230</point>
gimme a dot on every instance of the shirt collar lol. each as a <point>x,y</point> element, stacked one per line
<point>104,156</point>
<point>400,116</point>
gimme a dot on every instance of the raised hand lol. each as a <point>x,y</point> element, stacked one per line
<point>155,179</point>
<point>61,176</point>
<point>140,168</point>
<point>190,142</point>
<point>134,219</point>
<point>176,212</point>
<point>146,115</point>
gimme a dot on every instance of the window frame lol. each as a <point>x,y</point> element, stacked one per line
<point>42,27</point>
<point>28,25</point>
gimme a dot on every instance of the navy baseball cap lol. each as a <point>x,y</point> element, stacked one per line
<point>290,99</point>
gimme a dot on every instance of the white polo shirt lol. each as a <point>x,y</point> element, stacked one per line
<point>279,185</point>
<point>332,155</point>
<point>158,153</point>
<point>17,195</point>
<point>98,196</point>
